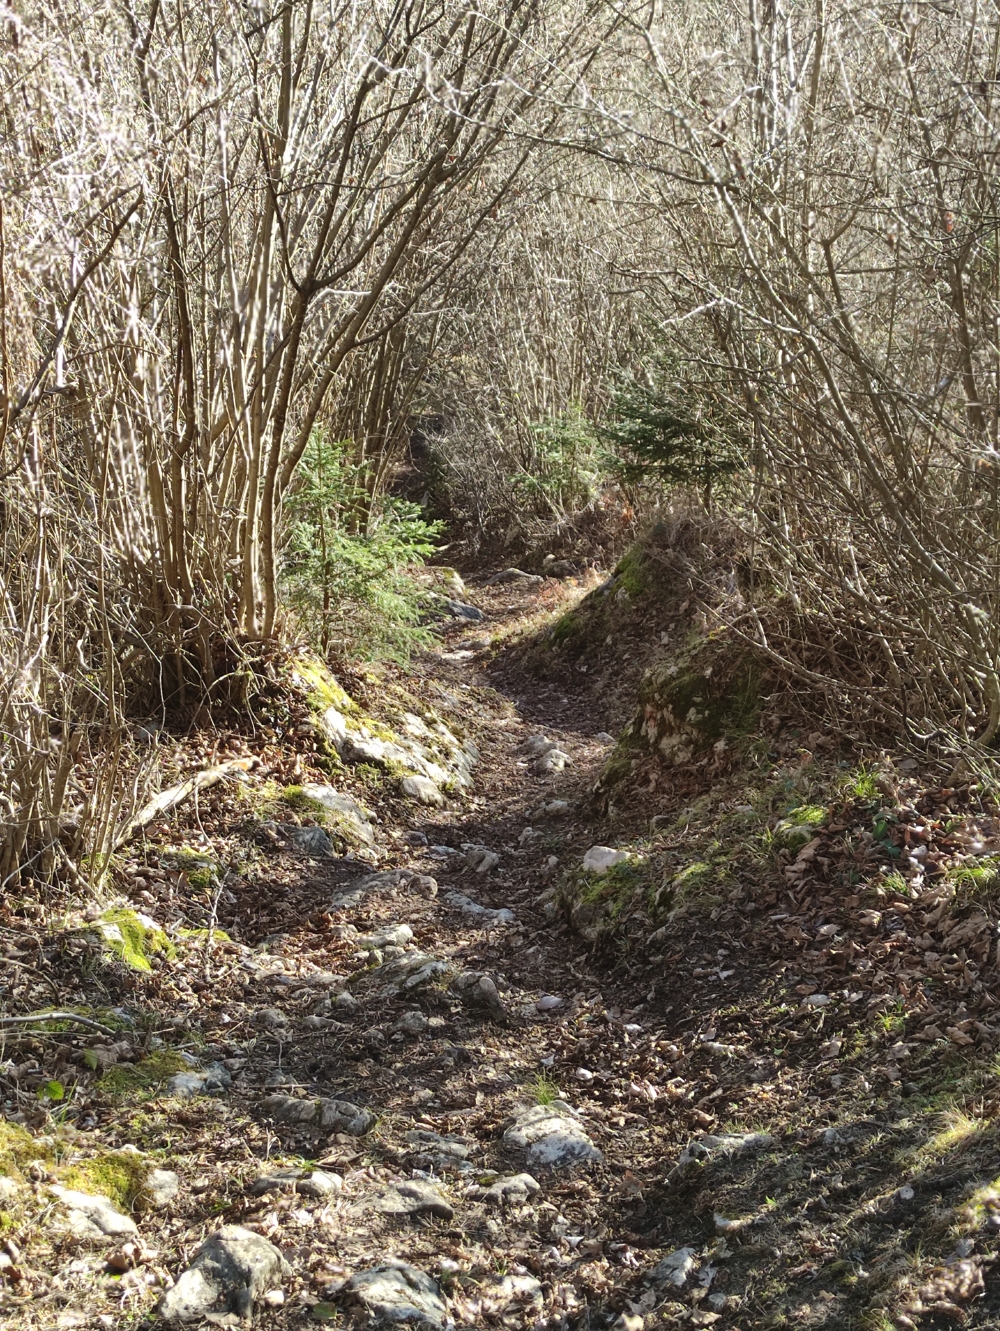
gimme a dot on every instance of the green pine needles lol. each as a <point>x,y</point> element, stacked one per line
<point>656,436</point>
<point>348,573</point>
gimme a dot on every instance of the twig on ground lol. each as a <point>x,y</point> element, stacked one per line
<point>57,1016</point>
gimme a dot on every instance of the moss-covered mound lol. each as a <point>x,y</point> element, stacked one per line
<point>703,698</point>
<point>419,749</point>
<point>133,938</point>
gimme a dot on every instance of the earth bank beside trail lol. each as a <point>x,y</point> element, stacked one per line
<point>412,1062</point>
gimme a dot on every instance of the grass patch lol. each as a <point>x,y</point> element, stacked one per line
<point>978,882</point>
<point>544,1089</point>
<point>957,1129</point>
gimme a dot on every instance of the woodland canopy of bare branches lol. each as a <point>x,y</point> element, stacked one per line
<point>227,231</point>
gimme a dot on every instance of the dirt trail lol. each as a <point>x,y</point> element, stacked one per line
<point>424,1031</point>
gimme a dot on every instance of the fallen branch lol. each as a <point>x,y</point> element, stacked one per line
<point>169,799</point>
<point>57,1016</point>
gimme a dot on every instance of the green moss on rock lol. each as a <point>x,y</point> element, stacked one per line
<point>132,937</point>
<point>323,689</point>
<point>145,1078</point>
<point>296,798</point>
<point>798,827</point>
<point>18,1149</point>
<point>119,1175</point>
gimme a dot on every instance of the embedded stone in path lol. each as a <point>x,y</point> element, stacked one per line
<point>479,992</point>
<point>423,790</point>
<point>392,935</point>
<point>291,1178</point>
<point>536,745</point>
<point>310,840</point>
<point>515,575</point>
<point>460,610</point>
<point>553,760</point>
<point>406,975</point>
<point>510,1293</point>
<point>709,1148</point>
<point>211,1080</point>
<point>414,1197</point>
<point>489,919</point>
<point>674,1269</point>
<point>333,1115</point>
<point>480,858</point>
<point>94,1217</point>
<point>397,1293</point>
<point>444,1154</point>
<point>599,859</point>
<point>356,819</point>
<point>228,1274</point>
<point>552,1135</point>
<point>513,1190</point>
<point>160,1187</point>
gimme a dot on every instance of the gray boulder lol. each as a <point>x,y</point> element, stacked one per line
<point>211,1080</point>
<point>332,1115</point>
<point>228,1273</point>
<point>309,840</point>
<point>94,1217</point>
<point>515,575</point>
<point>551,1135</point>
<point>459,610</point>
<point>444,1154</point>
<point>306,1182</point>
<point>513,1190</point>
<point>423,790</point>
<point>482,915</point>
<point>414,1197</point>
<point>160,1188</point>
<point>478,991</point>
<point>397,1294</point>
<point>413,972</point>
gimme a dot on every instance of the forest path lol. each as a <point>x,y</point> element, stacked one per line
<point>443,1106</point>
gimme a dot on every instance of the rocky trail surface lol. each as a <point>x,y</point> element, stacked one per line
<point>396,1087</point>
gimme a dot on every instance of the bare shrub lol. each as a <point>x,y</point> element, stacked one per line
<point>828,196</point>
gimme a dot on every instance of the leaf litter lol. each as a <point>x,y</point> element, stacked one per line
<point>791,1083</point>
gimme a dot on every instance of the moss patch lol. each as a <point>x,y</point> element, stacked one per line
<point>202,935</point>
<point>120,1176</point>
<point>296,798</point>
<point>18,1149</point>
<point>133,938</point>
<point>201,870</point>
<point>798,827</point>
<point>324,691</point>
<point>596,902</point>
<point>686,707</point>
<point>145,1078</point>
